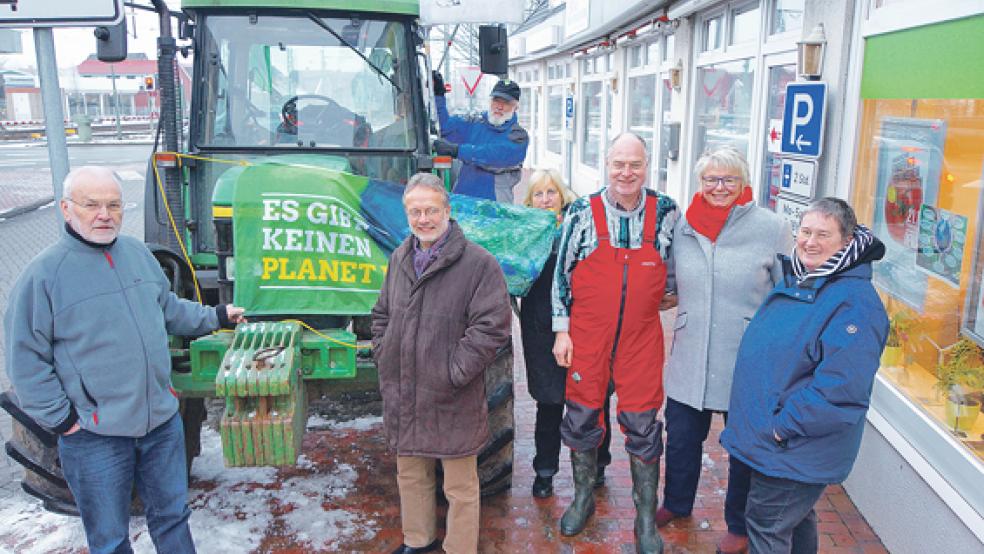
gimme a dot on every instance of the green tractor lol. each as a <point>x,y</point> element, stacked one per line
<point>295,90</point>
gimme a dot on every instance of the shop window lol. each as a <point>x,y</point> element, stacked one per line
<point>637,56</point>
<point>787,15</point>
<point>779,76</point>
<point>642,106</point>
<point>555,119</point>
<point>712,33</point>
<point>662,157</point>
<point>524,113</point>
<point>652,53</point>
<point>591,131</point>
<point>745,23</point>
<point>918,188</point>
<point>724,105</point>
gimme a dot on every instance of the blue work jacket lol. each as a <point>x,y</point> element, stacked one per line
<point>491,156</point>
<point>804,371</point>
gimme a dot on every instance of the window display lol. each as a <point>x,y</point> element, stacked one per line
<point>918,185</point>
<point>591,132</point>
<point>724,105</point>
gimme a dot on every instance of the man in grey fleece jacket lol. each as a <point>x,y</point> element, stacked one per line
<point>86,341</point>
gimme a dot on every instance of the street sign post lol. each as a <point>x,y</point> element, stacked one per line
<point>791,209</point>
<point>42,15</point>
<point>803,119</point>
<point>59,13</point>
<point>798,177</point>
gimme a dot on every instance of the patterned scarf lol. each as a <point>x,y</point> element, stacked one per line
<point>840,260</point>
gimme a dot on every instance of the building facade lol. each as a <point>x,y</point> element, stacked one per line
<point>894,123</point>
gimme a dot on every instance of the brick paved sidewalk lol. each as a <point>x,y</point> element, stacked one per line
<point>517,522</point>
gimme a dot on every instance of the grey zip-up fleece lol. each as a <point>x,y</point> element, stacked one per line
<point>86,336</point>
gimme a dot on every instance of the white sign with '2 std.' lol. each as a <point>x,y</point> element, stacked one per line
<point>798,177</point>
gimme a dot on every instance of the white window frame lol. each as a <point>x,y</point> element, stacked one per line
<point>778,40</point>
<point>659,68</point>
<point>604,76</point>
<point>767,51</point>
<point>914,13</point>
<point>550,157</point>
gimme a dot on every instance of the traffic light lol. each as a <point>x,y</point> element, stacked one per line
<point>148,83</point>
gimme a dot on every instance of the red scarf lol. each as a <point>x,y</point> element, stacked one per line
<point>708,220</point>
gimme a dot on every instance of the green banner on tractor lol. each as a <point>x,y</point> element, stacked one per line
<point>302,245</point>
<point>311,240</point>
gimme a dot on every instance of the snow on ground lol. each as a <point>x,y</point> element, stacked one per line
<point>232,508</point>
<point>358,424</point>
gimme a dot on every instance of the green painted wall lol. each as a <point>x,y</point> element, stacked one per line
<point>406,7</point>
<point>945,60</point>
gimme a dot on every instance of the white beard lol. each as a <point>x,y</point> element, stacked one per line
<point>497,121</point>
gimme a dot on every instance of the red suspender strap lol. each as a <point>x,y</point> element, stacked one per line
<point>649,223</point>
<point>600,221</point>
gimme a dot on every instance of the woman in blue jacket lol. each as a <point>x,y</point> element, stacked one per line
<point>803,377</point>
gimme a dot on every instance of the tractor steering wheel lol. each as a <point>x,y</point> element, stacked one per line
<point>288,113</point>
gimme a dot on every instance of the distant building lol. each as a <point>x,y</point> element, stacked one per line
<point>20,97</point>
<point>136,87</point>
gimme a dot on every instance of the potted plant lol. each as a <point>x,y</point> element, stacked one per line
<point>898,333</point>
<point>961,373</point>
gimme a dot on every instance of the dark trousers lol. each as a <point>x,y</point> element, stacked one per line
<point>780,515</point>
<point>686,431</point>
<point>546,438</point>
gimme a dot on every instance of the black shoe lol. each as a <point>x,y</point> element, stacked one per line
<point>543,487</point>
<point>600,478</point>
<point>404,549</point>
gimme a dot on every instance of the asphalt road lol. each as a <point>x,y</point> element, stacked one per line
<point>36,157</point>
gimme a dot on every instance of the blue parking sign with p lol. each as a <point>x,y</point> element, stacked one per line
<point>803,119</point>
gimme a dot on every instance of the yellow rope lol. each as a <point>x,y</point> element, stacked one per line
<point>326,337</point>
<point>198,292</point>
<point>177,233</point>
<point>243,163</point>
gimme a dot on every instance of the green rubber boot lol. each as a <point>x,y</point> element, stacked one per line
<point>645,481</point>
<point>576,517</point>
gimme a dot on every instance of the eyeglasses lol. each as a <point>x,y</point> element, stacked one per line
<point>729,181</point>
<point>429,212</point>
<point>91,206</point>
<point>633,166</point>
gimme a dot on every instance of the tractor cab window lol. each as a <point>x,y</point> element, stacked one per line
<point>283,82</point>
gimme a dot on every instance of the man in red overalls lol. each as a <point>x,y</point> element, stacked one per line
<point>608,290</point>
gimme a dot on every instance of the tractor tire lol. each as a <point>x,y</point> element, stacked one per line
<point>43,477</point>
<point>193,415</point>
<point>495,461</point>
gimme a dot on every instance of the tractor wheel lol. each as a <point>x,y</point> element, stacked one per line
<point>43,478</point>
<point>193,414</point>
<point>495,461</point>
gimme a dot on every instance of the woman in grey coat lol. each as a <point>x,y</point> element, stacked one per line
<point>724,263</point>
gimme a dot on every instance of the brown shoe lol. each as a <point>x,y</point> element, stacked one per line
<point>664,517</point>
<point>733,544</point>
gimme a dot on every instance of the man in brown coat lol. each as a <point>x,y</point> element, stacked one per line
<point>442,314</point>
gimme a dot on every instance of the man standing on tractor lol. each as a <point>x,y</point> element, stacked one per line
<point>441,316</point>
<point>87,354</point>
<point>490,146</point>
<point>607,292</point>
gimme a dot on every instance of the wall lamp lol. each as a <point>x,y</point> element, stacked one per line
<point>676,76</point>
<point>809,59</point>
